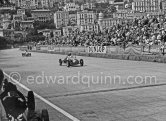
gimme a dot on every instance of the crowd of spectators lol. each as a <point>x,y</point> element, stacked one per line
<point>143,31</point>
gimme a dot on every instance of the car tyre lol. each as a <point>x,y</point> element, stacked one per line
<point>81,62</point>
<point>31,101</point>
<point>68,63</point>
<point>60,62</point>
<point>44,115</point>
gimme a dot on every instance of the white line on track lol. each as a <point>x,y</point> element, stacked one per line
<point>44,100</point>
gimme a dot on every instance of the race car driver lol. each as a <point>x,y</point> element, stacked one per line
<point>68,57</point>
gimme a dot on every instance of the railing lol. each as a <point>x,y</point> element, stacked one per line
<point>109,49</point>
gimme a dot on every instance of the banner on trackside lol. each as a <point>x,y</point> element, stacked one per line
<point>51,48</point>
<point>23,48</point>
<point>97,49</point>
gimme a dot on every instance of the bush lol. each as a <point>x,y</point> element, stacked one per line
<point>4,43</point>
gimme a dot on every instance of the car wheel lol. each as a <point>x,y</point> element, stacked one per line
<point>31,101</point>
<point>68,63</point>
<point>60,62</point>
<point>45,115</point>
<point>81,62</point>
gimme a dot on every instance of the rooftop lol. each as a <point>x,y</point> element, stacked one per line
<point>29,21</point>
<point>41,10</point>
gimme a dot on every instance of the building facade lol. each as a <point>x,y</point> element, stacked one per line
<point>90,28</point>
<point>136,15</point>
<point>71,7</point>
<point>28,4</point>
<point>73,18</point>
<point>106,23</point>
<point>86,17</point>
<point>164,5</point>
<point>26,24</point>
<point>46,32</point>
<point>20,11</point>
<point>88,6</point>
<point>32,4</point>
<point>146,5</point>
<point>16,20</point>
<point>119,4</point>
<point>57,33</point>
<point>42,15</point>
<point>45,3</point>
<point>61,19</point>
<point>120,14</point>
<point>69,30</point>
<point>102,1</point>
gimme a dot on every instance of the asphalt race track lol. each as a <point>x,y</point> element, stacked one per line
<point>101,90</point>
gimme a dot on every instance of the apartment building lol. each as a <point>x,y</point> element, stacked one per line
<point>146,5</point>
<point>42,15</point>
<point>61,18</point>
<point>85,17</point>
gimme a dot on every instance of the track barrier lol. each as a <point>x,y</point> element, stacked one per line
<point>131,52</point>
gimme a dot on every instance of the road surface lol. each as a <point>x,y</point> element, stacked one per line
<point>101,90</point>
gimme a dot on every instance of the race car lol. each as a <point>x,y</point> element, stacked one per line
<point>19,107</point>
<point>26,54</point>
<point>71,61</point>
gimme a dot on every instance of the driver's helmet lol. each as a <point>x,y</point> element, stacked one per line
<point>13,94</point>
<point>69,54</point>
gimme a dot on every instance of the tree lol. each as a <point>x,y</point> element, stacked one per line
<point>111,9</point>
<point>3,2</point>
<point>11,12</point>
<point>18,37</point>
<point>55,7</point>
<point>28,13</point>
<point>44,25</point>
<point>9,26</point>
<point>17,26</point>
<point>4,42</point>
<point>34,36</point>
